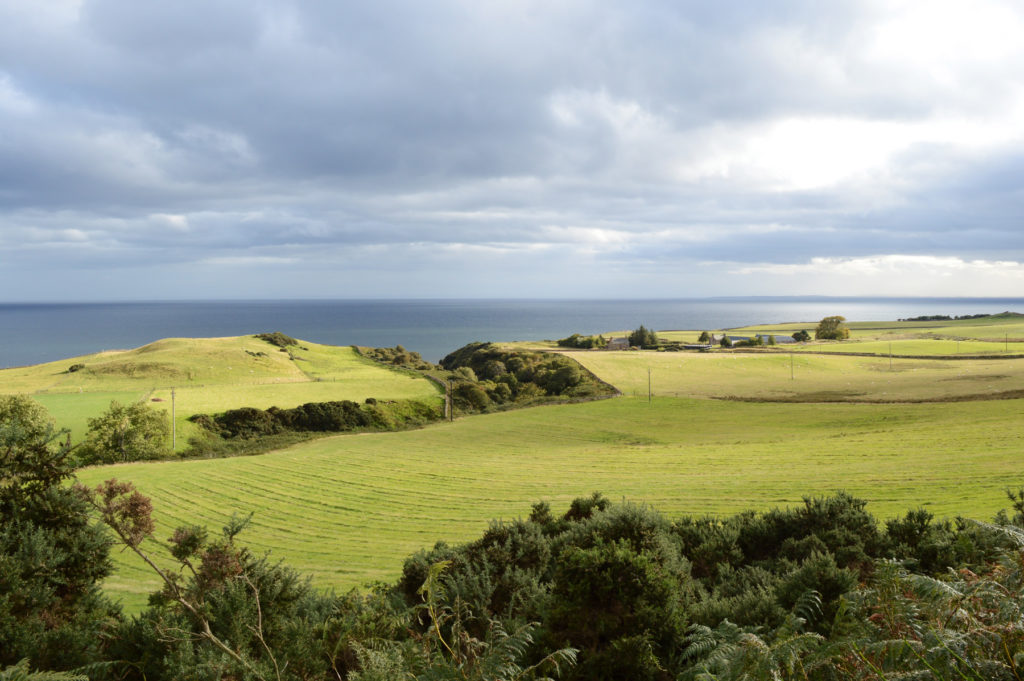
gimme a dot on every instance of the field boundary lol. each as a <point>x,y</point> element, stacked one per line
<point>744,351</point>
<point>813,399</point>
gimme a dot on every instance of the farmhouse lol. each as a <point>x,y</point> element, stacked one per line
<point>617,344</point>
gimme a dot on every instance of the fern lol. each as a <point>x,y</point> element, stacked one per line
<point>21,672</point>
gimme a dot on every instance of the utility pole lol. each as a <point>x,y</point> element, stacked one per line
<point>174,432</point>
<point>890,355</point>
<point>648,385</point>
<point>792,375</point>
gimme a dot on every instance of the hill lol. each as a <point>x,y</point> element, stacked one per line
<point>208,375</point>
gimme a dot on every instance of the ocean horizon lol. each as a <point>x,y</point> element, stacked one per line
<point>36,332</point>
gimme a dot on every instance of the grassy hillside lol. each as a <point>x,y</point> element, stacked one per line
<point>348,509</point>
<point>208,375</point>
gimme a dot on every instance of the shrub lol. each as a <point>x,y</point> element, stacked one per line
<point>583,342</point>
<point>131,432</point>
<point>277,338</point>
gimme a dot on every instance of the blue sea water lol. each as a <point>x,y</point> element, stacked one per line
<point>39,332</point>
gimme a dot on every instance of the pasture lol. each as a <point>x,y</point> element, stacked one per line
<point>348,509</point>
<point>779,376</point>
<point>208,375</point>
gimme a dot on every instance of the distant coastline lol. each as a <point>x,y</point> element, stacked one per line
<point>34,332</point>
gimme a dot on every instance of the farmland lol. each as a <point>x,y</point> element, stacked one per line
<point>347,509</point>
<point>207,375</point>
<point>804,377</point>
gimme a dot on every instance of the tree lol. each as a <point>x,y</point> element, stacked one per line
<point>832,328</point>
<point>801,336</point>
<point>131,432</point>
<point>643,338</point>
<point>52,557</point>
<point>726,342</point>
<point>704,337</point>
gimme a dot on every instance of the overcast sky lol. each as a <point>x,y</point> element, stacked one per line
<point>255,149</point>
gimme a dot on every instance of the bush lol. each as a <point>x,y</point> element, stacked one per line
<point>248,423</point>
<point>52,556</point>
<point>583,342</point>
<point>75,367</point>
<point>516,377</point>
<point>277,338</point>
<point>397,356</point>
<point>131,432</point>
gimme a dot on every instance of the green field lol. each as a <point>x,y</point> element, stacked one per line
<point>208,375</point>
<point>803,377</point>
<point>348,509</point>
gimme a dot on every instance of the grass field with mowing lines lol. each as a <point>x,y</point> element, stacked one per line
<point>348,509</point>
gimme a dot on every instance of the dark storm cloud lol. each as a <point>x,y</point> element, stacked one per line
<point>522,135</point>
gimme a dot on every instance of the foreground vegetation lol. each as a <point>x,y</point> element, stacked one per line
<point>599,591</point>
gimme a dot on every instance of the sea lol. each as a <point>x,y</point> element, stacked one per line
<point>31,333</point>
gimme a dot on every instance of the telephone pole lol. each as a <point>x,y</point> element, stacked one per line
<point>174,432</point>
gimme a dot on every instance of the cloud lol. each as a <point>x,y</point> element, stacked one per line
<point>580,139</point>
<point>914,274</point>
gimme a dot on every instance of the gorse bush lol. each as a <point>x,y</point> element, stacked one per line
<point>487,377</point>
<point>52,554</point>
<point>278,339</point>
<point>320,417</point>
<point>397,356</point>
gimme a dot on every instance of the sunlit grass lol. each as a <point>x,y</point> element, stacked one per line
<point>802,376</point>
<point>208,375</point>
<point>348,509</point>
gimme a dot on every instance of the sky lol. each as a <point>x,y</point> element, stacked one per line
<point>403,149</point>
